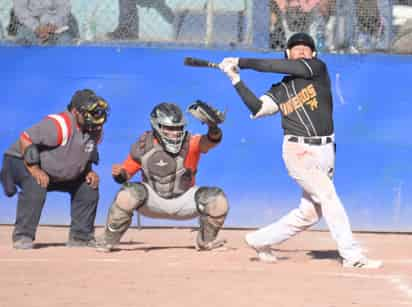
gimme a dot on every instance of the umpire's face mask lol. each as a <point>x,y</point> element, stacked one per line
<point>94,115</point>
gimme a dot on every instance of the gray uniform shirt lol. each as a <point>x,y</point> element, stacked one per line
<point>65,150</point>
<point>33,13</point>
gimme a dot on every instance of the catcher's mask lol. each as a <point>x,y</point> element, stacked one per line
<point>94,109</point>
<point>300,38</point>
<point>168,124</point>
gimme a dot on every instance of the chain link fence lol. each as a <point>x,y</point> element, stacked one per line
<point>338,26</point>
<point>344,26</point>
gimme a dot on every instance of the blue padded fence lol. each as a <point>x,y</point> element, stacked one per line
<point>372,120</point>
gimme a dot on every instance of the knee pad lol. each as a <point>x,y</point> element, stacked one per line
<point>213,207</point>
<point>131,196</point>
<point>211,202</point>
<point>128,199</point>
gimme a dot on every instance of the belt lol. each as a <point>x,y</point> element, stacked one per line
<point>312,140</point>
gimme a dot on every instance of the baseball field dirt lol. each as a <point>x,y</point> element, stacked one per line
<point>160,267</point>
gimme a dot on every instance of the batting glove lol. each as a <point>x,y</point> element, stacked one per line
<point>231,70</point>
<point>234,61</point>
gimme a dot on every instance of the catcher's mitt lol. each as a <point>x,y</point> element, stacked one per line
<point>206,113</point>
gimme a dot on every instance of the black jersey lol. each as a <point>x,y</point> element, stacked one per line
<point>303,97</point>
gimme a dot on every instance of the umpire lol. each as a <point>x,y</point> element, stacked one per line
<point>57,154</point>
<point>304,100</point>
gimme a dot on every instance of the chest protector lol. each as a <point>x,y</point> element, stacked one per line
<point>167,174</point>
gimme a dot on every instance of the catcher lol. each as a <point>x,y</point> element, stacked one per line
<point>168,157</point>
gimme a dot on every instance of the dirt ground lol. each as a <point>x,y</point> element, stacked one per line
<point>160,267</point>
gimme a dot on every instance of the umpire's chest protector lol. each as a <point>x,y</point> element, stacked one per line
<point>169,175</point>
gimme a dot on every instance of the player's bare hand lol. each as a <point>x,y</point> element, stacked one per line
<point>117,169</point>
<point>51,28</point>
<point>92,179</point>
<point>42,32</point>
<point>40,176</point>
<point>39,30</point>
<point>119,174</point>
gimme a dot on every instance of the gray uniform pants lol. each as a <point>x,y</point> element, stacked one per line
<point>32,196</point>
<point>179,208</point>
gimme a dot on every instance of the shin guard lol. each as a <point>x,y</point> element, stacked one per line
<point>213,207</point>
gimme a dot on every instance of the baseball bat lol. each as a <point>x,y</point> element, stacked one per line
<point>195,62</point>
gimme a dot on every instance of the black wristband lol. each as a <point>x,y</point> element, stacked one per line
<point>31,155</point>
<point>214,130</point>
<point>121,178</point>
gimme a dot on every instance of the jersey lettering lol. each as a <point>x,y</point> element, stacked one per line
<point>305,96</point>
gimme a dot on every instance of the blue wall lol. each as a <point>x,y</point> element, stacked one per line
<point>372,119</point>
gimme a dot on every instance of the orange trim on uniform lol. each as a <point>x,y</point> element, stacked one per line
<point>26,137</point>
<point>193,155</point>
<point>59,130</point>
<point>131,166</point>
<point>68,123</point>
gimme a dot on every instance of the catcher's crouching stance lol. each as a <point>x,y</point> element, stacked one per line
<point>168,157</point>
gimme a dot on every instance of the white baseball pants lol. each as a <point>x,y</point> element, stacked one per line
<point>311,166</point>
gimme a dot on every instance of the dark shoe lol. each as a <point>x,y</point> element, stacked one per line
<point>81,243</point>
<point>122,34</point>
<point>23,243</point>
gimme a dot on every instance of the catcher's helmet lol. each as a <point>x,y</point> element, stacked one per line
<point>300,38</point>
<point>93,108</point>
<point>169,126</point>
